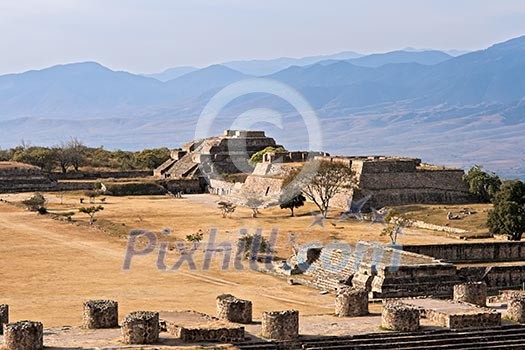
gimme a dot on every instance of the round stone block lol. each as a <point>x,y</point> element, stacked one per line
<point>4,316</point>
<point>100,314</point>
<point>351,302</point>
<point>231,309</point>
<point>280,325</point>
<point>471,292</point>
<point>141,327</point>
<point>399,317</point>
<point>516,308</point>
<point>24,335</point>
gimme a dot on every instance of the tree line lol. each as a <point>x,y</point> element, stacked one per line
<point>73,154</point>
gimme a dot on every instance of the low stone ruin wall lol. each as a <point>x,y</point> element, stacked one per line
<point>471,292</point>
<point>496,277</point>
<point>400,317</point>
<point>93,175</point>
<point>280,325</point>
<point>196,335</point>
<point>472,252</point>
<point>486,318</point>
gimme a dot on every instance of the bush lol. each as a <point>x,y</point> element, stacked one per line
<point>508,215</point>
<point>136,189</point>
<point>35,203</point>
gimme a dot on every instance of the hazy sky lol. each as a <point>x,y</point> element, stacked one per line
<point>151,35</point>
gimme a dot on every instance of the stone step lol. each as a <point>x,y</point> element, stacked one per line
<point>438,340</point>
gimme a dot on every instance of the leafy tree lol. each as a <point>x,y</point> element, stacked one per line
<point>152,158</point>
<point>508,215</point>
<point>482,184</point>
<point>321,180</point>
<point>295,202</point>
<point>226,208</point>
<point>42,157</point>
<point>195,237</point>
<point>258,156</point>
<point>91,211</point>
<point>36,203</point>
<point>394,225</point>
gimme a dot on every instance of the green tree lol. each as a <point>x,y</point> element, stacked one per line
<point>42,157</point>
<point>91,211</point>
<point>152,158</point>
<point>258,156</point>
<point>295,202</point>
<point>482,184</point>
<point>36,203</point>
<point>320,181</point>
<point>508,215</point>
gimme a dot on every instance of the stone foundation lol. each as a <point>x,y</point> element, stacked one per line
<point>280,325</point>
<point>472,292</point>
<point>400,317</point>
<point>140,327</point>
<point>351,302</point>
<point>24,335</point>
<point>195,327</point>
<point>231,309</point>
<point>100,314</point>
<point>4,316</point>
<point>516,308</point>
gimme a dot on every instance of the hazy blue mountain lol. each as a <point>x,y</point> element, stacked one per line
<point>171,73</point>
<point>75,89</point>
<point>266,67</point>
<point>453,110</point>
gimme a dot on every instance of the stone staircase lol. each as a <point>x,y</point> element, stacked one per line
<point>505,337</point>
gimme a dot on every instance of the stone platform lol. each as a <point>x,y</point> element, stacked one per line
<point>455,315</point>
<point>195,327</point>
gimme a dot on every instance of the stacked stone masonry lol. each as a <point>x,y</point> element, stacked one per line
<point>141,327</point>
<point>197,335</point>
<point>516,308</point>
<point>280,325</point>
<point>232,309</point>
<point>24,335</point>
<point>100,314</point>
<point>471,292</point>
<point>400,317</point>
<point>351,302</point>
<point>4,316</point>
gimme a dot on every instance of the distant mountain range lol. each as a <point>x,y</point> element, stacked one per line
<point>452,110</point>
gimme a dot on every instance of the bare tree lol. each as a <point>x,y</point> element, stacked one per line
<point>321,181</point>
<point>76,150</point>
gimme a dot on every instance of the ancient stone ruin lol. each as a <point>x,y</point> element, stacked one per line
<point>24,335</point>
<point>516,308</point>
<point>232,309</point>
<point>141,327</point>
<point>195,327</point>
<point>280,325</point>
<point>19,177</point>
<point>399,317</point>
<point>4,316</point>
<point>100,314</point>
<point>471,292</point>
<point>351,302</point>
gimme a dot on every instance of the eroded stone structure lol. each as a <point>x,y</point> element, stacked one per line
<point>471,292</point>
<point>516,308</point>
<point>280,325</point>
<point>4,316</point>
<point>141,327</point>
<point>19,177</point>
<point>24,335</point>
<point>232,309</point>
<point>400,317</point>
<point>226,154</point>
<point>351,302</point>
<point>100,314</point>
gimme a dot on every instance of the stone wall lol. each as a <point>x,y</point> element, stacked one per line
<point>516,308</point>
<point>100,314</point>
<point>485,318</point>
<point>4,316</point>
<point>472,252</point>
<point>471,292</point>
<point>140,327</point>
<point>94,175</point>
<point>203,334</point>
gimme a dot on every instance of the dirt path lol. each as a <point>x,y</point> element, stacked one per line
<point>47,268</point>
